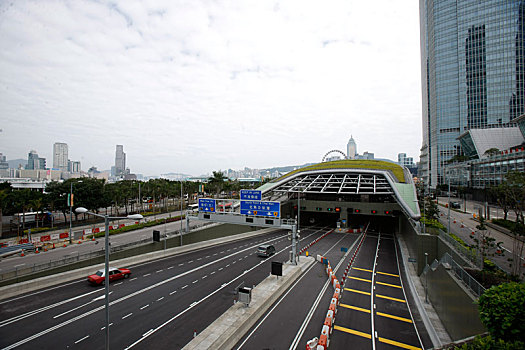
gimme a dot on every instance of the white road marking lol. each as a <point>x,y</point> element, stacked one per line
<point>116,284</point>
<point>134,278</point>
<point>214,254</point>
<point>111,324</point>
<point>173,292</point>
<point>221,268</point>
<point>199,259</point>
<point>181,264</point>
<point>19,265</point>
<point>169,268</point>
<point>145,306</point>
<point>78,341</point>
<point>190,261</point>
<point>147,333</point>
<point>184,287</point>
<point>159,271</point>
<point>146,275</point>
<point>74,319</point>
<point>211,273</point>
<point>159,299</point>
<point>195,281</point>
<point>204,277</point>
<point>207,256</point>
<point>228,265</point>
<point>123,317</point>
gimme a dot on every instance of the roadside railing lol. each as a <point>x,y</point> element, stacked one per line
<point>448,262</point>
<point>471,254</point>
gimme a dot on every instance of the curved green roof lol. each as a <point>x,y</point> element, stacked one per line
<point>395,169</point>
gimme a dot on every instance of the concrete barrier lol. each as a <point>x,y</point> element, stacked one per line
<point>229,328</point>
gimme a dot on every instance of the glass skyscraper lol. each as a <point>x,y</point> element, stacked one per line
<point>473,73</point>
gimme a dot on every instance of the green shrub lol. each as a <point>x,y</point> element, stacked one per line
<point>502,311</point>
<point>489,343</point>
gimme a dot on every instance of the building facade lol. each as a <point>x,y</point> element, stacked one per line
<point>34,162</point>
<point>473,74</point>
<point>120,161</point>
<point>60,156</point>
<point>351,148</point>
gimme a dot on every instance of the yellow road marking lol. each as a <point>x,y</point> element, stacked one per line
<point>354,308</point>
<point>357,291</point>
<point>388,284</point>
<point>354,332</point>
<point>360,279</point>
<point>398,344</point>
<point>395,317</point>
<point>360,269</point>
<point>387,274</point>
<point>390,298</point>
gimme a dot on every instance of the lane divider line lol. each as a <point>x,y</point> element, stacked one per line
<point>398,344</point>
<point>394,317</point>
<point>356,291</point>
<point>389,285</point>
<point>355,308</point>
<point>354,332</point>
<point>390,298</point>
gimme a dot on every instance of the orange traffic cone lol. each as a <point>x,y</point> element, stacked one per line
<point>36,251</point>
<point>22,254</point>
<point>93,237</point>
<point>53,245</point>
<point>45,248</point>
<point>79,241</point>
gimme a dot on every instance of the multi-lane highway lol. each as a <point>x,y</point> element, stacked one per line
<point>161,305</point>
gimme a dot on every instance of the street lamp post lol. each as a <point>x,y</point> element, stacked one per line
<point>448,204</point>
<point>181,213</point>
<point>71,212</point>
<point>426,278</point>
<point>106,217</point>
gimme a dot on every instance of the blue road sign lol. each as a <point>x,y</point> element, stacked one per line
<point>207,205</point>
<point>261,208</point>
<point>254,195</point>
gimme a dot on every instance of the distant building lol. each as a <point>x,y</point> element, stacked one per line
<point>405,161</point>
<point>74,166</point>
<point>60,156</point>
<point>34,162</point>
<point>120,161</point>
<point>366,155</point>
<point>351,148</point>
<point>3,162</point>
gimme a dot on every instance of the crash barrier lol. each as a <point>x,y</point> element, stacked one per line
<point>326,330</point>
<point>324,339</point>
<point>315,241</point>
<point>25,246</point>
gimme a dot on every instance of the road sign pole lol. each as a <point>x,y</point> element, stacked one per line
<point>294,244</point>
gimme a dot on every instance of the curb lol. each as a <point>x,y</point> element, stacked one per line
<point>47,281</point>
<point>233,324</point>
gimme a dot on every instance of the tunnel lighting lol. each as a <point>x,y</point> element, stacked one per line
<point>374,211</point>
<point>388,212</point>
<point>337,209</point>
<point>357,211</point>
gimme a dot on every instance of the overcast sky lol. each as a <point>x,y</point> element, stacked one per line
<point>195,86</point>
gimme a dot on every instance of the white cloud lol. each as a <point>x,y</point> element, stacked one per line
<point>194,86</point>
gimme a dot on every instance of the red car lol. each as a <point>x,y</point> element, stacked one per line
<point>99,277</point>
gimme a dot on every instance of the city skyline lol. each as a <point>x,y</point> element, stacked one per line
<point>184,89</point>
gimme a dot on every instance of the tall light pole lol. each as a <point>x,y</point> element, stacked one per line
<point>448,204</point>
<point>180,213</point>
<point>106,217</point>
<point>71,212</point>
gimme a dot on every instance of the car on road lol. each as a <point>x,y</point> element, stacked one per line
<point>99,277</point>
<point>455,205</point>
<point>266,250</point>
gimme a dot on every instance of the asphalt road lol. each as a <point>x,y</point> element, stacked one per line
<point>371,296</point>
<point>160,306</point>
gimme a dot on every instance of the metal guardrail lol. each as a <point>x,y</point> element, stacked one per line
<point>471,254</point>
<point>449,263</point>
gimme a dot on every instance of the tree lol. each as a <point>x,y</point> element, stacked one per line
<point>491,152</point>
<point>485,243</point>
<point>502,311</point>
<point>217,181</point>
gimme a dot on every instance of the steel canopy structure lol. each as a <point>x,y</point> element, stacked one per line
<point>350,177</point>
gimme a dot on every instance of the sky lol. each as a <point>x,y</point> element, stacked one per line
<point>196,86</point>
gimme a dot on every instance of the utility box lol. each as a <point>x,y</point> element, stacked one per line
<point>156,236</point>
<point>277,268</point>
<point>244,295</point>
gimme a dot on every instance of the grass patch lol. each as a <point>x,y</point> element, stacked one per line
<point>138,226</point>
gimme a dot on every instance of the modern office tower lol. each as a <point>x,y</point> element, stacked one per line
<point>60,156</point>
<point>351,148</point>
<point>473,74</point>
<point>120,161</point>
<point>34,162</point>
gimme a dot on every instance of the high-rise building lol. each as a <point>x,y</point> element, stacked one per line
<point>473,74</point>
<point>60,156</point>
<point>34,162</point>
<point>351,148</point>
<point>120,160</point>
<point>405,161</point>
<point>3,162</point>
